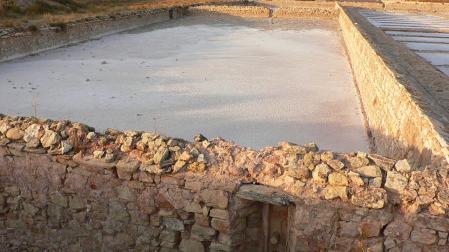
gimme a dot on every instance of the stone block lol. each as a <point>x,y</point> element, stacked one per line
<point>173,224</point>
<point>126,167</point>
<point>202,233</point>
<point>369,228</point>
<point>169,236</point>
<point>215,198</point>
<point>395,182</point>
<point>189,245</point>
<point>219,213</point>
<point>424,236</point>
<point>349,229</point>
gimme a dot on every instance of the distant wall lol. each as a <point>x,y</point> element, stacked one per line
<point>22,44</point>
<point>404,97</point>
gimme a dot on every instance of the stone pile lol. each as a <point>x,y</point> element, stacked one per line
<point>365,180</point>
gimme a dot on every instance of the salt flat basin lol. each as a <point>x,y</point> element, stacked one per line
<point>252,81</point>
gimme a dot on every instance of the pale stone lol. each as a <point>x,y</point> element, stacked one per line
<point>370,198</point>
<point>336,164</point>
<point>376,182</point>
<point>161,155</point>
<point>98,154</point>
<point>179,165</point>
<point>395,182</point>
<point>357,162</point>
<point>338,179</point>
<point>333,192</point>
<point>403,166</point>
<point>299,172</point>
<point>320,173</point>
<point>219,213</point>
<point>50,138</point>
<point>355,178</point>
<point>4,127</point>
<point>32,132</point>
<point>383,162</point>
<point>66,146</point>
<point>370,171</point>
<point>91,135</point>
<point>327,156</point>
<point>185,156</point>
<point>14,134</point>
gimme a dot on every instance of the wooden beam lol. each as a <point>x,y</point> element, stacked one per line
<point>265,194</point>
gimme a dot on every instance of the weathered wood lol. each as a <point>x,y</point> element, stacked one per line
<point>265,194</point>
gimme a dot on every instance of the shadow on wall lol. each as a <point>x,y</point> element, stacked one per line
<point>393,148</point>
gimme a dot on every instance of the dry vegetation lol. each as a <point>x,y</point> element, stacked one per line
<point>34,13</point>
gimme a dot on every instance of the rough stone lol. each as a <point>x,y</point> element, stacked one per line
<point>370,171</point>
<point>424,236</point>
<point>398,229</point>
<point>336,164</point>
<point>173,224</point>
<point>14,134</point>
<point>50,138</point>
<point>332,192</point>
<point>370,198</point>
<point>189,245</point>
<point>215,198</point>
<point>370,228</point>
<point>219,213</point>
<point>202,233</point>
<point>320,173</point>
<point>403,166</point>
<point>125,168</point>
<point>32,132</point>
<point>395,182</point>
<point>337,179</point>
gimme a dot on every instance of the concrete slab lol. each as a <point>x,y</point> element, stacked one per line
<point>437,59</point>
<point>432,46</point>
<point>418,34</point>
<point>428,47</point>
<point>250,81</point>
<point>422,39</point>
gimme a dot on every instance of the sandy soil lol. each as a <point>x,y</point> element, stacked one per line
<point>252,81</point>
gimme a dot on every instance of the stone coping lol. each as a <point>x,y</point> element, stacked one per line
<point>302,171</point>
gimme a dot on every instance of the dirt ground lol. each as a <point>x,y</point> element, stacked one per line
<point>31,14</point>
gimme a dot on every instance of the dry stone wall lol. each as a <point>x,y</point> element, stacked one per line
<point>404,97</point>
<point>64,186</point>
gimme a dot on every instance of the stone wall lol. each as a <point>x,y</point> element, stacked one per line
<point>18,44</point>
<point>64,186</point>
<point>404,97</point>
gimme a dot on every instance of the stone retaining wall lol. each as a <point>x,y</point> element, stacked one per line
<point>26,43</point>
<point>404,97</point>
<point>64,186</point>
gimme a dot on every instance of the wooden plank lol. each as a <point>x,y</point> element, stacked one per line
<point>265,194</point>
